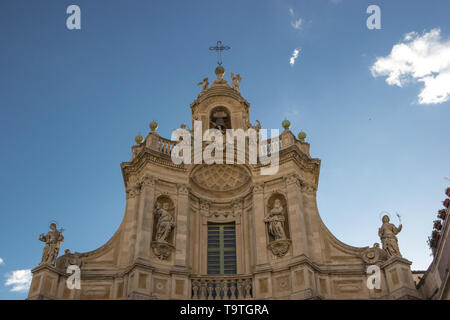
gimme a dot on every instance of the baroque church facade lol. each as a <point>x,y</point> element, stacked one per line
<point>223,231</point>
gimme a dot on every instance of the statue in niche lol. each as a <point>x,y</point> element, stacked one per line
<point>236,80</point>
<point>387,233</point>
<point>52,240</point>
<point>275,220</point>
<point>204,84</point>
<point>165,222</point>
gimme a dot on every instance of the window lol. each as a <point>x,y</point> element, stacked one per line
<point>222,248</point>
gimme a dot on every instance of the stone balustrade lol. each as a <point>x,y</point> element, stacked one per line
<point>265,148</point>
<point>222,287</point>
<point>164,145</point>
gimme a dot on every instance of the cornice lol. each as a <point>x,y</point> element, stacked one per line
<point>145,156</point>
<point>214,91</point>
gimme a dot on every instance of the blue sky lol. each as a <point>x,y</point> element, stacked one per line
<point>71,103</point>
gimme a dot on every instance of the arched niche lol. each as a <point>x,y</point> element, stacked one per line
<point>277,224</point>
<point>163,227</point>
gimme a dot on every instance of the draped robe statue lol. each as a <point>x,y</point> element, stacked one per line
<point>275,219</point>
<point>165,223</point>
<point>387,233</point>
<point>52,240</point>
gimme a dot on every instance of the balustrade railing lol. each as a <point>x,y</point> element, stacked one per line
<point>222,288</point>
<point>165,145</point>
<point>265,147</point>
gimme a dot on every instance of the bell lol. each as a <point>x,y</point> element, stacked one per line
<point>220,123</point>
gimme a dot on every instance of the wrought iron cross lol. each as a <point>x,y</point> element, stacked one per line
<point>219,48</point>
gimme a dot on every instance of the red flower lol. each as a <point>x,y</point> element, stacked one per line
<point>447,203</point>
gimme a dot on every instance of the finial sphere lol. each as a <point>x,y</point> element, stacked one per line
<point>301,136</point>
<point>220,70</point>
<point>153,126</point>
<point>286,124</point>
<point>139,139</point>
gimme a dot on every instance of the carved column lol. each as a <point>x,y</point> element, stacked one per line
<point>296,216</point>
<point>181,237</point>
<point>259,228</point>
<point>145,218</point>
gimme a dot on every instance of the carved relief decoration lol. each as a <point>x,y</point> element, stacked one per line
<point>68,259</point>
<point>221,177</point>
<point>133,191</point>
<point>374,254</point>
<point>148,181</point>
<point>221,211</point>
<point>258,188</point>
<point>183,189</point>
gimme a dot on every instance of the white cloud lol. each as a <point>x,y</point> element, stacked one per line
<point>2,261</point>
<point>297,23</point>
<point>20,280</point>
<point>424,58</point>
<point>294,57</point>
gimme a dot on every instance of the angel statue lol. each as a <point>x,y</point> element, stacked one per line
<point>275,219</point>
<point>204,84</point>
<point>236,80</point>
<point>257,127</point>
<point>52,240</point>
<point>387,233</point>
<point>165,222</point>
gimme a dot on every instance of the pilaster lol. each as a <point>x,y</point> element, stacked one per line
<point>259,228</point>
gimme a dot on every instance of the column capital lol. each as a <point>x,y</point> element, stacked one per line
<point>292,178</point>
<point>204,207</point>
<point>308,187</point>
<point>148,181</point>
<point>237,205</point>
<point>182,188</point>
<point>133,190</point>
<point>258,188</point>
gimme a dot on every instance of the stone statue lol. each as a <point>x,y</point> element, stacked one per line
<point>387,234</point>
<point>204,84</point>
<point>275,219</point>
<point>52,240</point>
<point>165,223</point>
<point>236,80</point>
<point>257,127</point>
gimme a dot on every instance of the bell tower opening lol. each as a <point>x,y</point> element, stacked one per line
<point>219,118</point>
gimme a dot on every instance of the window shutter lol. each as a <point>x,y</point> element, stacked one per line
<point>221,249</point>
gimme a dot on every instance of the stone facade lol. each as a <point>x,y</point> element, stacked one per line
<point>283,249</point>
